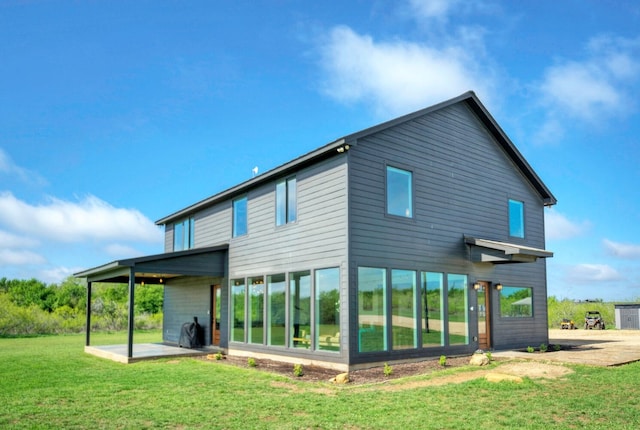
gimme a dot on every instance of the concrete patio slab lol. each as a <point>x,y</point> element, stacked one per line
<point>143,351</point>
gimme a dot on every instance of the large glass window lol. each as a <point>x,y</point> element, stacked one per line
<point>276,309</point>
<point>399,192</point>
<point>327,332</point>
<point>516,302</point>
<point>300,309</point>
<point>404,327</point>
<point>256,310</point>
<point>432,309</point>
<point>516,218</point>
<point>238,294</point>
<point>372,309</point>
<point>184,234</point>
<point>457,306</point>
<point>240,217</point>
<point>286,201</point>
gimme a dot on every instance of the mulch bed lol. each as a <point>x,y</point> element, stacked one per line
<point>363,376</point>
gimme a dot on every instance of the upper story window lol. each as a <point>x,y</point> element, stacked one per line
<point>240,217</point>
<point>286,201</point>
<point>183,234</point>
<point>399,192</point>
<point>516,218</point>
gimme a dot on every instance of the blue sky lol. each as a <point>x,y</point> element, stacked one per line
<point>115,114</point>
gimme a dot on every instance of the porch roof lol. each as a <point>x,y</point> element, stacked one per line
<point>496,252</point>
<point>155,269</point>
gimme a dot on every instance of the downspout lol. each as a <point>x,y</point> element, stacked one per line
<point>132,284</point>
<point>88,328</point>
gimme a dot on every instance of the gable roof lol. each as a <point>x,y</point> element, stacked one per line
<point>339,146</point>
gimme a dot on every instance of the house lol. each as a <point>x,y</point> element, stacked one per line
<point>418,237</point>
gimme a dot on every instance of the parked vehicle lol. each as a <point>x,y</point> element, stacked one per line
<point>592,320</point>
<point>567,324</point>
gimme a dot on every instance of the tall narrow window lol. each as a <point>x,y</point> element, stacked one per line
<point>286,201</point>
<point>327,317</point>
<point>399,192</point>
<point>457,306</point>
<point>184,234</point>
<point>240,217</point>
<point>256,310</point>
<point>238,294</point>
<point>372,309</point>
<point>276,309</point>
<point>300,309</point>
<point>432,310</point>
<point>516,218</point>
<point>403,309</point>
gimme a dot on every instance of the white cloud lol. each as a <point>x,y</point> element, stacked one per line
<point>8,240</point>
<point>597,85</point>
<point>592,273</point>
<point>399,76</point>
<point>433,9</point>
<point>8,167</point>
<point>13,257</point>
<point>88,219</point>
<point>622,250</point>
<point>57,274</point>
<point>558,226</point>
<point>117,250</point>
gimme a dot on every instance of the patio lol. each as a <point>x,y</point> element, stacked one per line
<point>144,351</point>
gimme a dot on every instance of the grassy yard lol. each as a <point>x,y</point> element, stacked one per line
<point>48,382</point>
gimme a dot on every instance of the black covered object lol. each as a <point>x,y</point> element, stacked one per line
<point>191,335</point>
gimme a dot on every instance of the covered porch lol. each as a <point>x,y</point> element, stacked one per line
<point>155,269</point>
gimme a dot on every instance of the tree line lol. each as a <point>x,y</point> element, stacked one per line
<point>32,307</point>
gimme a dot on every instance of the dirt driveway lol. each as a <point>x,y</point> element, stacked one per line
<point>592,347</point>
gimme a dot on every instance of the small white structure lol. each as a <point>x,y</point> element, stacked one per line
<point>628,316</point>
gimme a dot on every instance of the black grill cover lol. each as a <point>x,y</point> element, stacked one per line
<point>191,335</point>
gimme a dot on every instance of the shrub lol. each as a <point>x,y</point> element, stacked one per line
<point>489,356</point>
<point>251,362</point>
<point>443,360</point>
<point>218,356</point>
<point>557,347</point>
<point>530,349</point>
<point>387,370</point>
<point>298,370</point>
<point>543,347</point>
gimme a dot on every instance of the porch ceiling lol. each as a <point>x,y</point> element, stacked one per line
<point>492,251</point>
<point>156,269</point>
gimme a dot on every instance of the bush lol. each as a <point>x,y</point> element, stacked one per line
<point>251,362</point>
<point>543,347</point>
<point>443,360</point>
<point>530,349</point>
<point>298,370</point>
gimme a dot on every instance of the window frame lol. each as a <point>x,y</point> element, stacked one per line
<point>411,192</point>
<point>186,241</point>
<point>287,204</point>
<point>518,232</point>
<point>235,217</point>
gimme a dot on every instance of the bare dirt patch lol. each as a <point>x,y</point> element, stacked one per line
<point>375,375</point>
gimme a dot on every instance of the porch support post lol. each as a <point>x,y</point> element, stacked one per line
<point>88,328</point>
<point>132,287</point>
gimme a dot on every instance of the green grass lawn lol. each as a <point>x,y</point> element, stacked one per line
<point>49,382</point>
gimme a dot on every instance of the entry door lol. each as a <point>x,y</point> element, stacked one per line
<point>215,314</point>
<point>484,316</point>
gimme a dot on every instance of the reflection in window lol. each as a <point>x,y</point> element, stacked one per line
<point>432,309</point>
<point>516,218</point>
<point>403,309</point>
<point>240,217</point>
<point>399,192</point>
<point>184,234</point>
<point>256,310</point>
<point>237,309</point>
<point>457,306</point>
<point>372,314</point>
<point>300,309</point>
<point>327,332</point>
<point>276,309</point>
<point>516,302</point>
<point>286,201</point>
